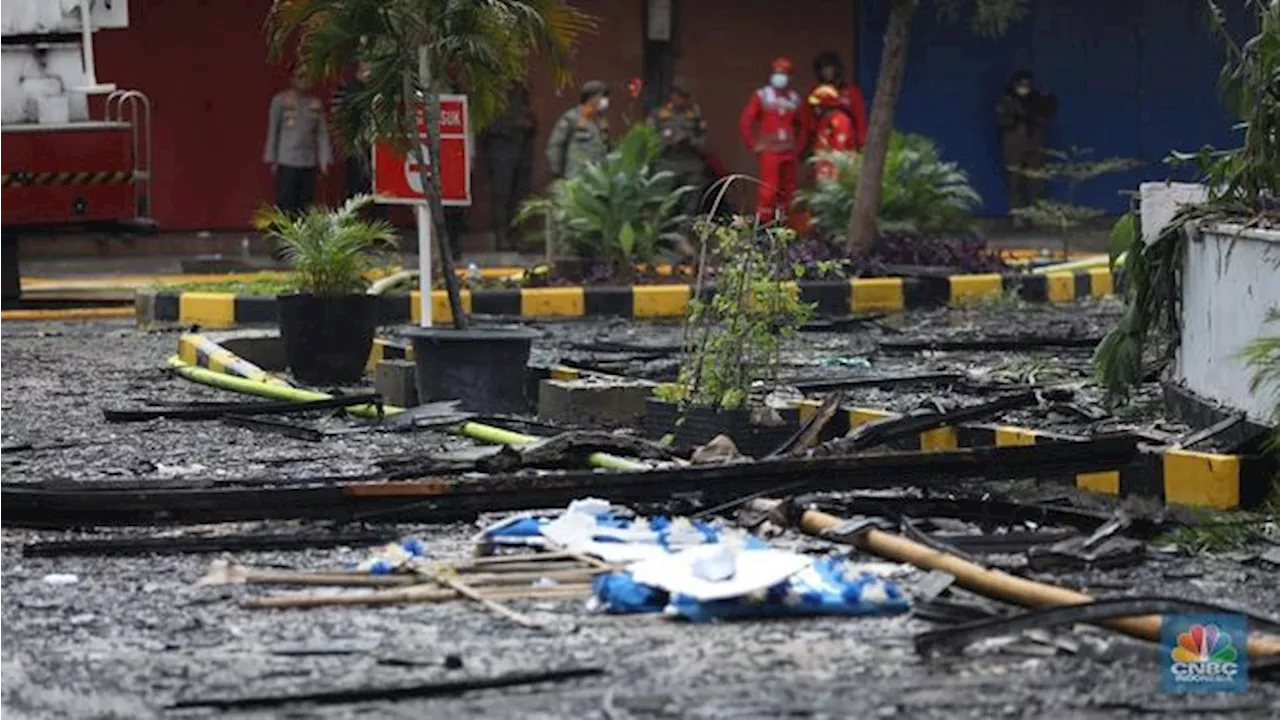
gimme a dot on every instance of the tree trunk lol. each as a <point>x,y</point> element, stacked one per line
<point>443,241</point>
<point>893,66</point>
<point>431,188</point>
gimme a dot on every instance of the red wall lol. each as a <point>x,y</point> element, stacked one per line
<point>203,63</point>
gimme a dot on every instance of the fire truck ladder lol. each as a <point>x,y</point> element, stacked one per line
<point>138,106</point>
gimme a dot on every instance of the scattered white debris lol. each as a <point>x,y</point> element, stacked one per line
<point>717,572</point>
<point>61,579</point>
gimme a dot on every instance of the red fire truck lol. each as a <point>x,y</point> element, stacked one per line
<point>76,152</point>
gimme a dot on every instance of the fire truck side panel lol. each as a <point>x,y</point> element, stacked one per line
<point>68,175</point>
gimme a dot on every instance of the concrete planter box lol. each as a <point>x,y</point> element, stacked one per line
<point>701,424</point>
<point>1230,278</point>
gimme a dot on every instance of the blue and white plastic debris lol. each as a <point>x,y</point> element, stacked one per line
<point>393,557</point>
<point>699,571</point>
<point>591,526</point>
<point>821,586</point>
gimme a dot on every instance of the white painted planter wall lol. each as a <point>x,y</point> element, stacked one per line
<point>1230,278</point>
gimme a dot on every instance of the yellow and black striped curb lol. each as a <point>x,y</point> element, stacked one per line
<point>1170,475</point>
<point>107,177</point>
<point>1166,474</point>
<point>642,302</point>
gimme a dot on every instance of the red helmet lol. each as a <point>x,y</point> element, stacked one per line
<point>782,65</point>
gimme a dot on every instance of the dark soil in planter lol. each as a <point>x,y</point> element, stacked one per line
<point>327,339</point>
<point>954,254</point>
<point>11,272</point>
<point>962,253</point>
<point>484,368</point>
<point>702,423</point>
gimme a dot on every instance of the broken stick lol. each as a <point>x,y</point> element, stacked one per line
<point>423,593</point>
<point>223,573</point>
<point>450,581</point>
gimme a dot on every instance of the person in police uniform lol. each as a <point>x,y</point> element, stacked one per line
<point>297,145</point>
<point>581,135</point>
<point>679,123</point>
<point>508,151</point>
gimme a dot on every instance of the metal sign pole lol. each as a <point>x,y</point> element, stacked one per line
<point>424,210</point>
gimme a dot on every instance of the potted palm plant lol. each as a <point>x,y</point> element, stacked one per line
<point>328,325</point>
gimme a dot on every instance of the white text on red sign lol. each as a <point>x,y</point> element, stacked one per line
<point>453,120</point>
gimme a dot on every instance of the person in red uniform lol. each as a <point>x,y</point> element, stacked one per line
<point>833,128</point>
<point>837,111</point>
<point>773,126</point>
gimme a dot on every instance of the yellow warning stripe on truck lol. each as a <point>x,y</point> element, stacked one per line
<point>110,177</point>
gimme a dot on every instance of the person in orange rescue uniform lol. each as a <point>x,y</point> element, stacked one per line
<point>837,112</point>
<point>774,126</point>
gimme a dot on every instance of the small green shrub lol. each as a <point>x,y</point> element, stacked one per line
<point>330,250</point>
<point>921,193</point>
<point>620,211</point>
<point>734,339</point>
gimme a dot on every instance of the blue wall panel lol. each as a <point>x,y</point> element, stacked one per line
<point>951,88</point>
<point>1086,53</point>
<point>1181,105</point>
<point>1133,79</point>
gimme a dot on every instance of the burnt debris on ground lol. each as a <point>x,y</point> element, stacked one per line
<point>311,561</point>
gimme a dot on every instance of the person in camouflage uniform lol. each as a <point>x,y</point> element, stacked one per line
<point>679,122</point>
<point>581,135</point>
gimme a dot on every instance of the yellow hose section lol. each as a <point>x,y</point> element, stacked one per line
<point>1087,263</point>
<point>476,431</point>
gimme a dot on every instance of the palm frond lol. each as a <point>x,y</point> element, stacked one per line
<point>480,47</point>
<point>330,250</point>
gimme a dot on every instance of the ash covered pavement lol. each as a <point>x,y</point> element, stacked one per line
<point>91,636</point>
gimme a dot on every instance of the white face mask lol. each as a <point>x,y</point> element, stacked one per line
<point>1022,90</point>
<point>602,104</point>
<point>779,80</point>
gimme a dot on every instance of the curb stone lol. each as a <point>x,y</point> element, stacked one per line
<point>1172,476</point>
<point>641,302</point>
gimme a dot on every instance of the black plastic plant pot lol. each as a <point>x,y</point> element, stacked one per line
<point>702,423</point>
<point>484,368</point>
<point>327,339</point>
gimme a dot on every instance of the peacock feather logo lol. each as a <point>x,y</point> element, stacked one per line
<point>1203,643</point>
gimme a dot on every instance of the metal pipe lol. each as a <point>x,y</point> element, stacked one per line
<point>1085,264</point>
<point>86,50</point>
<point>474,430</point>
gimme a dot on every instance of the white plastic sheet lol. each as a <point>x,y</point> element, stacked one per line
<point>718,572</point>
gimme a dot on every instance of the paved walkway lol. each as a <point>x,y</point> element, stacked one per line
<point>39,271</point>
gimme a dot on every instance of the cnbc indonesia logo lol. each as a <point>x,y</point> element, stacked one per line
<point>1204,654</point>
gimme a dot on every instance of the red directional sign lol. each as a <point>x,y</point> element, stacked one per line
<point>395,177</point>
